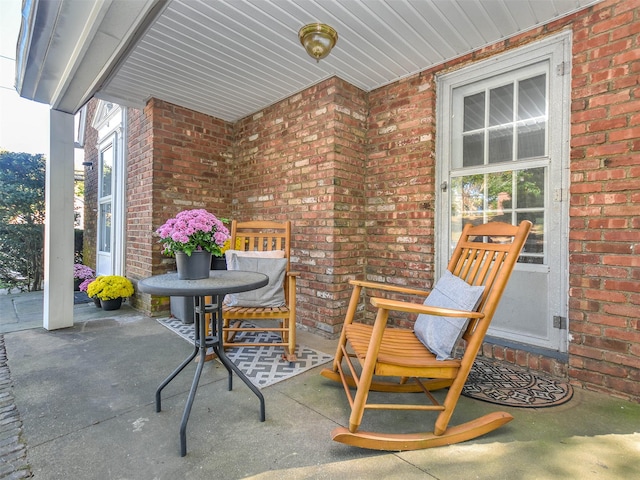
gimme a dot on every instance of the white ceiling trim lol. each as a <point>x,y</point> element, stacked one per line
<point>232,58</point>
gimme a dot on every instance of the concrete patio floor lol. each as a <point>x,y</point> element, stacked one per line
<point>85,396</point>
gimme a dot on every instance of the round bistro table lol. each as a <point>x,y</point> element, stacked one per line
<point>219,283</point>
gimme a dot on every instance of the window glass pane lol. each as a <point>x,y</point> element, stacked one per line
<point>533,251</point>
<point>501,105</point>
<point>467,203</point>
<point>530,187</point>
<point>473,112</point>
<point>501,145</point>
<point>104,228</point>
<point>489,197</point>
<point>532,97</point>
<point>531,140</point>
<point>499,195</point>
<point>467,194</point>
<point>473,150</point>
<point>106,166</point>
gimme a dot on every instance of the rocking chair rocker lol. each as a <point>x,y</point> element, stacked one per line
<point>481,265</point>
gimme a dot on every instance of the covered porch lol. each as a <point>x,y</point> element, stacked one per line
<point>377,214</point>
<point>85,401</point>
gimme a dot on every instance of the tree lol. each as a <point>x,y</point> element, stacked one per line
<point>22,215</point>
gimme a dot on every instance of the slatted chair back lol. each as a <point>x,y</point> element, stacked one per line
<point>264,236</point>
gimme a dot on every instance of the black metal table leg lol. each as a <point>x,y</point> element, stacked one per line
<point>201,344</point>
<point>172,376</point>
<point>218,348</point>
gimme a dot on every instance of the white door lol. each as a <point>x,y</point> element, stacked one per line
<point>110,121</point>
<point>105,209</point>
<point>502,156</point>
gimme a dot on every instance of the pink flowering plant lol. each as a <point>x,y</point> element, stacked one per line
<point>85,284</point>
<point>193,230</point>
<point>82,272</point>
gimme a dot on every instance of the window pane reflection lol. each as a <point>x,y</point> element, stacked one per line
<point>509,196</point>
<point>501,145</point>
<point>473,150</point>
<point>106,166</point>
<point>510,120</point>
<point>473,112</point>
<point>531,188</point>
<point>532,98</point>
<point>501,105</point>
<point>531,139</point>
<point>104,228</point>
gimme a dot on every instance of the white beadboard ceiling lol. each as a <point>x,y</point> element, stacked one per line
<point>232,58</point>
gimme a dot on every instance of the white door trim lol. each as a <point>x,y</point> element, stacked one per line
<point>110,121</point>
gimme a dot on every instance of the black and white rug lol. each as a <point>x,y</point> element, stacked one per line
<point>509,385</point>
<point>264,366</point>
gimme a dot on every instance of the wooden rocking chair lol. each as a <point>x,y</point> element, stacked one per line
<point>481,259</point>
<point>260,239</point>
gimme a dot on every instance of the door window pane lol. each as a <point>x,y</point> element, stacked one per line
<point>104,227</point>
<point>473,150</point>
<point>509,120</point>
<point>531,140</point>
<point>501,145</point>
<point>532,97</point>
<point>501,105</point>
<point>473,112</point>
<point>533,250</point>
<point>509,196</point>
<point>531,188</point>
<point>106,166</point>
<point>500,195</point>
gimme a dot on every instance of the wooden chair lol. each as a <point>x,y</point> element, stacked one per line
<point>481,258</point>
<point>264,236</point>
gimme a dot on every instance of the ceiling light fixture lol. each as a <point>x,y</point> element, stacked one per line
<point>318,39</point>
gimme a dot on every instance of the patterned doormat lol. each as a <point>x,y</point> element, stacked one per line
<point>507,385</point>
<point>264,366</point>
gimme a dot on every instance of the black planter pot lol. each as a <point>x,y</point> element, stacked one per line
<point>194,267</point>
<point>218,263</point>
<point>113,304</point>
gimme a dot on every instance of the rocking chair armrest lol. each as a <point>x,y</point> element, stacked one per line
<point>293,274</point>
<point>401,306</point>
<point>389,287</point>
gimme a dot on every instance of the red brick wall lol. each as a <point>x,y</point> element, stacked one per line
<point>400,185</point>
<point>604,303</point>
<point>178,159</point>
<point>139,204</point>
<point>302,159</point>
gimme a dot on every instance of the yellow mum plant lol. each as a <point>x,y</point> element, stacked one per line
<point>109,287</point>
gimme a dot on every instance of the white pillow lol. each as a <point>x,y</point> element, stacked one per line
<point>271,295</point>
<point>252,253</point>
<point>440,334</point>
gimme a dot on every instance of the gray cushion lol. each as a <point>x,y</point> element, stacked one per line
<point>440,334</point>
<point>271,295</point>
<point>252,253</point>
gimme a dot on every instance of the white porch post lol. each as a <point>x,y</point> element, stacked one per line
<point>58,229</point>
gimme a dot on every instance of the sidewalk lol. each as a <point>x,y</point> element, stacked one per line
<point>86,399</point>
<point>23,311</point>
